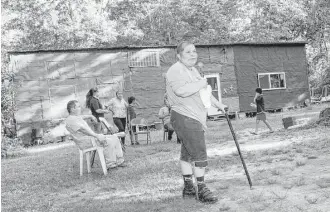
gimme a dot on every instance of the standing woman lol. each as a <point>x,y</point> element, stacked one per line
<point>94,104</point>
<point>118,106</point>
<point>188,118</point>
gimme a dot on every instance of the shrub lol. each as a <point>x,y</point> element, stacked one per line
<point>10,144</point>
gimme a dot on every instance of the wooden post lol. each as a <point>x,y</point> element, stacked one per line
<point>42,109</point>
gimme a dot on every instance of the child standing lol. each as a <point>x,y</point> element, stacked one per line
<point>130,116</point>
<point>260,105</point>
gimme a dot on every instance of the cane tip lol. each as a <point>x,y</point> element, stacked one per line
<point>251,188</point>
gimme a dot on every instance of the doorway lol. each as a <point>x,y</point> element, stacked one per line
<point>214,81</point>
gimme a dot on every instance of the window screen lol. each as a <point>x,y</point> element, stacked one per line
<point>143,58</point>
<point>270,81</point>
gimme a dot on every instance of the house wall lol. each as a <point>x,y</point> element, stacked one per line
<point>49,80</point>
<point>251,60</point>
<point>147,84</point>
<point>220,60</point>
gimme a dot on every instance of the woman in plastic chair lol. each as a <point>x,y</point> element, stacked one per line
<point>97,109</point>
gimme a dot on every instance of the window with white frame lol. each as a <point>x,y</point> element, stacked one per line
<point>272,81</point>
<point>143,58</point>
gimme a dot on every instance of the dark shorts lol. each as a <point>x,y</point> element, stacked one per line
<point>191,134</point>
<point>261,116</point>
<point>168,126</point>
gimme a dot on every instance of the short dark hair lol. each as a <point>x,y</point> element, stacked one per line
<point>71,104</point>
<point>131,99</point>
<point>181,46</point>
<point>259,90</point>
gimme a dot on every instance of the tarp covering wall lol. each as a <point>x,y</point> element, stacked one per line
<point>49,80</point>
<point>221,61</point>
<point>251,60</point>
<point>147,85</point>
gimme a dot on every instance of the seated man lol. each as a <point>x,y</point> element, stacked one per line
<point>83,135</point>
<point>165,115</point>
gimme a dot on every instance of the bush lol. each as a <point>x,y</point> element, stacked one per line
<point>324,118</point>
<point>10,145</point>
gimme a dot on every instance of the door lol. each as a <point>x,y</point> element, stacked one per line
<point>214,81</point>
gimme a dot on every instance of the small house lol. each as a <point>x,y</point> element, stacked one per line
<point>48,79</point>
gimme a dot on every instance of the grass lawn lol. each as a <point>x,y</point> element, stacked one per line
<point>290,171</point>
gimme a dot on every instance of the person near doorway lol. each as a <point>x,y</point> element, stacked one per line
<point>188,118</point>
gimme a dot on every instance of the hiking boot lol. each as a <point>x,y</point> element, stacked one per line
<point>189,192</point>
<point>206,196</point>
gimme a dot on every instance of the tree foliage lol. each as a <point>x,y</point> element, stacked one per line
<point>42,24</point>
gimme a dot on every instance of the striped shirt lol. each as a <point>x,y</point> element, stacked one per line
<point>192,106</point>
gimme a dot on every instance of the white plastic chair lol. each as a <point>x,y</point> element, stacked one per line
<point>88,152</point>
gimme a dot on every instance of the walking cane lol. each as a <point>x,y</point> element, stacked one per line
<point>238,149</point>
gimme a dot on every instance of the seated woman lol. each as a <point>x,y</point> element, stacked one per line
<point>94,104</point>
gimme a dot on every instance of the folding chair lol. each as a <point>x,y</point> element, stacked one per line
<point>165,134</point>
<point>142,127</point>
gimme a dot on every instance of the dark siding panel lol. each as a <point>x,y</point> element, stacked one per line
<point>275,99</point>
<point>251,60</point>
<point>228,89</point>
<point>203,55</point>
<point>147,85</point>
<point>222,55</point>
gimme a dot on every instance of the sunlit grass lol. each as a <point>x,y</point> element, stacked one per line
<point>48,179</point>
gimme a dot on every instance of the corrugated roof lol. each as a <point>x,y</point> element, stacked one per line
<point>296,43</point>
